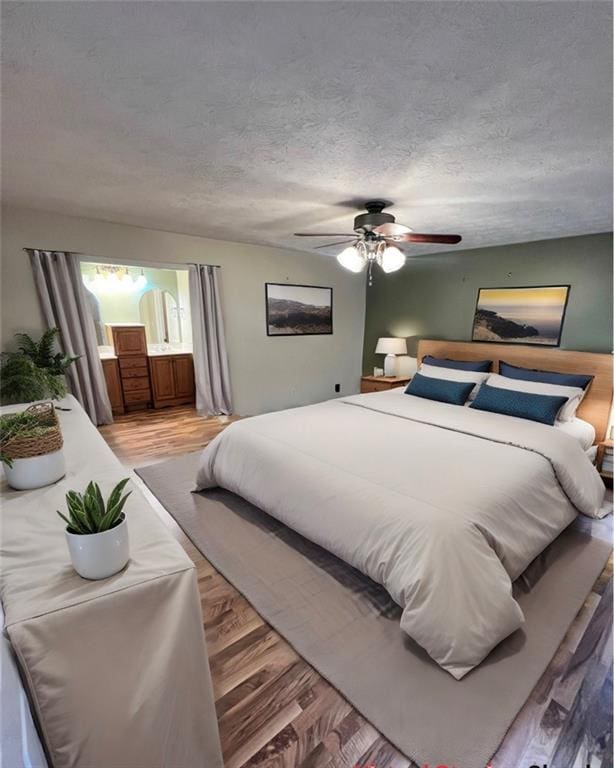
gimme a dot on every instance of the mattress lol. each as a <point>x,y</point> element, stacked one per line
<point>443,505</point>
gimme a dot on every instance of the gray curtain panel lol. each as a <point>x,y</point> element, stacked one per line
<point>210,358</point>
<point>58,280</point>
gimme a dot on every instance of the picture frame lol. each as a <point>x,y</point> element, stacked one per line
<point>531,315</point>
<point>298,310</point>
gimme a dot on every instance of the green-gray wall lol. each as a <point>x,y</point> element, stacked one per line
<point>434,297</point>
<point>267,372</point>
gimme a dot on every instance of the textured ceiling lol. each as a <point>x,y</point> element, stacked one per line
<point>249,121</point>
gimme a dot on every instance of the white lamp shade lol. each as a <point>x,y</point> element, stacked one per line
<point>392,259</point>
<point>351,259</point>
<point>391,346</point>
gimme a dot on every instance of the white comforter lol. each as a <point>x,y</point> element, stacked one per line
<point>445,506</point>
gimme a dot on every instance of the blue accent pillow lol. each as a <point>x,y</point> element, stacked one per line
<point>442,390</point>
<point>460,365</point>
<point>524,405</point>
<point>546,377</point>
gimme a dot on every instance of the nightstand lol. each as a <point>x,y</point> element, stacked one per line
<point>606,476</point>
<point>380,383</point>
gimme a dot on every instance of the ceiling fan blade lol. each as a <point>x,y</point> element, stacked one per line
<point>416,237</point>
<point>339,242</point>
<point>324,234</point>
<point>391,229</point>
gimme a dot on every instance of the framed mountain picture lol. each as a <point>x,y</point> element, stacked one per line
<point>532,315</point>
<point>298,310</point>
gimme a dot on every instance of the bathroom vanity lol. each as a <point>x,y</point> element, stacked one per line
<point>140,375</point>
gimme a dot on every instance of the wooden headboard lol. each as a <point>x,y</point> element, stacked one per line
<point>594,408</point>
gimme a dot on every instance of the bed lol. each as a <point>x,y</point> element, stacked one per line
<point>443,505</point>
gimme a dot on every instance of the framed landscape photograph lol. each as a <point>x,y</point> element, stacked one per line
<point>532,315</point>
<point>298,310</point>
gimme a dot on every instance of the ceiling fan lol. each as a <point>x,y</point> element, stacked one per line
<point>375,239</point>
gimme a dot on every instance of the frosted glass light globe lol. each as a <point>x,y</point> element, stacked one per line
<point>392,259</point>
<point>126,283</point>
<point>349,258</point>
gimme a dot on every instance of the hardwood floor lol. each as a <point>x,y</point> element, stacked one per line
<point>275,711</point>
<point>146,437</point>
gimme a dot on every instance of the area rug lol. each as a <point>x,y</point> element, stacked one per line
<point>347,627</point>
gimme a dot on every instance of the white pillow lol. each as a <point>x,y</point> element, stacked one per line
<point>567,411</point>
<point>581,430</point>
<point>454,374</point>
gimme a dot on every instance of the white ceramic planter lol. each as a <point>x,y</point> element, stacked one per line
<point>99,555</point>
<point>36,471</point>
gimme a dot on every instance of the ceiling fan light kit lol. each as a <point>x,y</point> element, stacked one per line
<point>377,234</point>
<point>368,252</point>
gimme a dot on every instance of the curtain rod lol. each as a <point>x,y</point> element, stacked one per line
<point>154,265</point>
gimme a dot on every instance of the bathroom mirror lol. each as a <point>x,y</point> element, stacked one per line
<point>159,314</point>
<point>94,306</point>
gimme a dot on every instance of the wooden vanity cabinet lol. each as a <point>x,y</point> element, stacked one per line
<point>162,378</point>
<point>114,385</point>
<point>183,371</point>
<point>130,346</point>
<point>136,385</point>
<point>127,339</point>
<point>172,380</point>
<point>136,380</point>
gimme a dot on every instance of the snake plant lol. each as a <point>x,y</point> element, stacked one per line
<point>88,513</point>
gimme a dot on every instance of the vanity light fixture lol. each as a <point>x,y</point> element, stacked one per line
<point>114,279</point>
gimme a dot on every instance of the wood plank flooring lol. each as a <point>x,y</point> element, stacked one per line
<point>146,437</point>
<point>275,711</point>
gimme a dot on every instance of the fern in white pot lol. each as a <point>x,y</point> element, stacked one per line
<point>97,532</point>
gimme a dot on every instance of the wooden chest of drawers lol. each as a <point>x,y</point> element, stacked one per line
<point>131,350</point>
<point>136,383</point>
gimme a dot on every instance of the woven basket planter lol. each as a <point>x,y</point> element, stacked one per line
<point>37,460</point>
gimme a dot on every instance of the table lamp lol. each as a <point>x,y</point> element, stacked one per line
<point>390,347</point>
<point>406,366</point>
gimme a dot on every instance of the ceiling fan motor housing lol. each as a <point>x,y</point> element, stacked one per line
<point>374,217</point>
<point>368,221</point>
